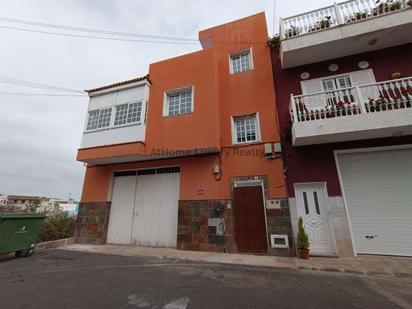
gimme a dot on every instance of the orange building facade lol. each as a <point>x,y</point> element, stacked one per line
<point>199,167</point>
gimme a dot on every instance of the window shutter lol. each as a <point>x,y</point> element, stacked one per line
<point>313,86</point>
<point>365,77</point>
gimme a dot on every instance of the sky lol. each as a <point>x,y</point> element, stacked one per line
<point>40,135</point>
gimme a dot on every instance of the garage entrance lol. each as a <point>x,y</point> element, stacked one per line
<point>144,208</point>
<point>377,187</point>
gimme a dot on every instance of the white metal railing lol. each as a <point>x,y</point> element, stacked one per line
<point>337,14</point>
<point>370,98</point>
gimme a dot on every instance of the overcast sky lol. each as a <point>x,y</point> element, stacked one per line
<point>39,136</point>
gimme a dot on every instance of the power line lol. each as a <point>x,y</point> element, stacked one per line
<point>41,94</point>
<point>91,30</point>
<point>274,17</point>
<point>23,83</point>
<point>144,38</point>
<point>94,37</point>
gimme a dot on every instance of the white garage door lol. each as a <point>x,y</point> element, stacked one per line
<point>378,192</point>
<point>144,208</point>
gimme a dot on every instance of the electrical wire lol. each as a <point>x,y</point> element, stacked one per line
<point>95,37</point>
<point>91,30</point>
<point>41,94</point>
<point>144,38</point>
<point>23,83</point>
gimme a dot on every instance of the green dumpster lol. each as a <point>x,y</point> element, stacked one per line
<point>19,232</point>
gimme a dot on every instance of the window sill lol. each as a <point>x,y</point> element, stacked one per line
<point>243,72</point>
<point>127,125</point>
<point>96,130</point>
<point>257,142</point>
<point>179,115</point>
<point>113,127</point>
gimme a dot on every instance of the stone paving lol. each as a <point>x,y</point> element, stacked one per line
<point>363,265</point>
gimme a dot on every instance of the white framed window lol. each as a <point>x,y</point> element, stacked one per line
<point>99,118</point>
<point>128,113</point>
<point>178,102</point>
<point>241,61</point>
<point>335,83</point>
<point>245,129</point>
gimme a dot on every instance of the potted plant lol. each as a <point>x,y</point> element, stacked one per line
<point>325,22</point>
<point>409,2</point>
<point>361,15</point>
<point>383,7</point>
<point>302,241</point>
<point>293,31</point>
<point>395,5</point>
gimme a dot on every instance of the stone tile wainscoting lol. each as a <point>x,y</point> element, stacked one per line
<point>206,226</point>
<point>279,222</point>
<point>92,222</point>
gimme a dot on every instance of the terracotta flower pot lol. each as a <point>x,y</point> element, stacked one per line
<point>304,254</point>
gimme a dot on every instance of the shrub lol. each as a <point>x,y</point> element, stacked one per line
<point>303,238</point>
<point>56,227</point>
<point>275,41</point>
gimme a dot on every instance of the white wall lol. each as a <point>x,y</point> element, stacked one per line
<point>122,134</point>
<point>356,127</point>
<point>348,39</point>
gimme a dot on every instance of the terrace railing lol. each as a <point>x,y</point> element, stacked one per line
<point>337,14</point>
<point>377,97</point>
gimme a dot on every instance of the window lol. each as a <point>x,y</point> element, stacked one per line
<point>128,113</point>
<point>245,129</point>
<point>99,118</point>
<point>336,83</point>
<point>92,120</point>
<point>179,102</point>
<point>305,201</point>
<point>241,62</point>
<point>315,198</point>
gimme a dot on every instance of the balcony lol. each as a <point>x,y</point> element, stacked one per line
<point>378,110</point>
<point>344,29</point>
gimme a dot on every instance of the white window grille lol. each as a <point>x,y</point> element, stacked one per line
<point>99,118</point>
<point>179,102</point>
<point>241,62</point>
<point>128,113</point>
<point>245,129</point>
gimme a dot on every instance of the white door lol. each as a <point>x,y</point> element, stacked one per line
<point>121,211</point>
<point>156,210</point>
<point>377,187</point>
<point>311,204</point>
<point>144,208</point>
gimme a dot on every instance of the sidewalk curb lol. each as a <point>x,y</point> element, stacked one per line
<point>54,244</point>
<point>245,260</point>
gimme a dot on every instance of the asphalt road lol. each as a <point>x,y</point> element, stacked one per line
<point>66,279</point>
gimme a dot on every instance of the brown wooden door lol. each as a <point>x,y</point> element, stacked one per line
<point>250,219</point>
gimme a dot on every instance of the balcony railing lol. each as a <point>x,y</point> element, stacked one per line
<point>378,97</point>
<point>338,14</point>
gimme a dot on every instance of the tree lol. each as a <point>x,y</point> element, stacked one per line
<point>303,238</point>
